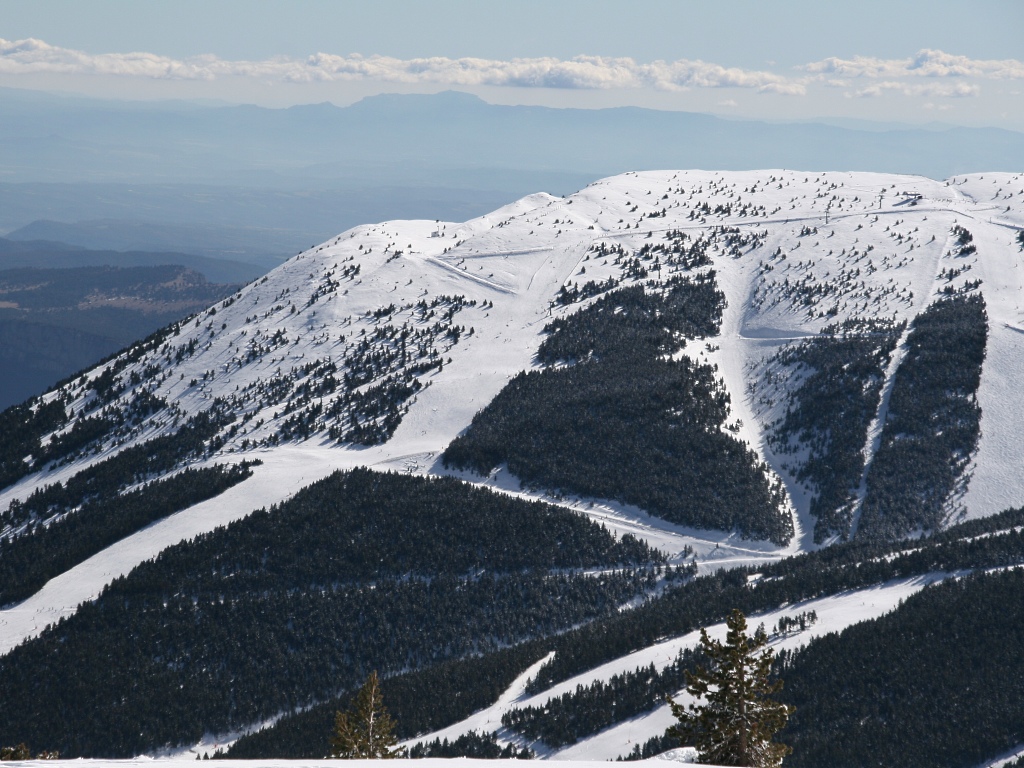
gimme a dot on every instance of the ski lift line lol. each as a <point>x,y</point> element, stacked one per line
<point>877,425</point>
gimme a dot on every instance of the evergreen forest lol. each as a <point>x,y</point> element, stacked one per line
<point>933,422</point>
<point>296,604</point>
<point>938,683</point>
<point>30,560</point>
<point>690,603</point>
<point>828,412</point>
<point>616,414</point>
<point>422,701</point>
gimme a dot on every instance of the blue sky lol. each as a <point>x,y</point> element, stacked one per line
<point>911,61</point>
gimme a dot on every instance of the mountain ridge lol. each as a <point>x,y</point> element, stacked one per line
<point>378,347</point>
<point>201,143</point>
<point>756,326</point>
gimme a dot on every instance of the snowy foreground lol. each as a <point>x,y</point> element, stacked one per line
<point>676,756</point>
<point>462,762</point>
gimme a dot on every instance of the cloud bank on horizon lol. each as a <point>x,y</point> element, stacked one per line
<point>929,73</point>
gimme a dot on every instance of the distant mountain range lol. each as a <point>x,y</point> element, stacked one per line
<point>258,185</point>
<point>24,250</point>
<point>62,309</point>
<point>446,139</point>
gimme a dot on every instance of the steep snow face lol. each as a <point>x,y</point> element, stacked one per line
<point>378,346</point>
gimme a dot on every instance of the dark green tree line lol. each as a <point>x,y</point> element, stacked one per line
<point>933,422</point>
<point>613,416</point>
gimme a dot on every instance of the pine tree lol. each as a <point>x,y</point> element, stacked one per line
<point>22,752</point>
<point>736,723</point>
<point>366,731</point>
<point>19,752</point>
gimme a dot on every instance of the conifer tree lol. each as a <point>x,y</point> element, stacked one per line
<point>736,723</point>
<point>366,731</point>
<point>19,752</point>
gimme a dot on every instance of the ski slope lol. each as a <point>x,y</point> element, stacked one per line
<point>835,613</point>
<point>506,268</point>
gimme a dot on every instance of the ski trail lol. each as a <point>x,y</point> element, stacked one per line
<point>466,275</point>
<point>488,719</point>
<point>877,424</point>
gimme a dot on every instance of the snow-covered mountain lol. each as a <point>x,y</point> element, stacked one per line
<point>378,347</point>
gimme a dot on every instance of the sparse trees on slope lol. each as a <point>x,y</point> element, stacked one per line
<point>736,723</point>
<point>366,731</point>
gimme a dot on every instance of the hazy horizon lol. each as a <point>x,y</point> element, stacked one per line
<point>911,62</point>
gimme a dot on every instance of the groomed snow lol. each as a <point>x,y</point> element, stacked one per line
<point>834,613</point>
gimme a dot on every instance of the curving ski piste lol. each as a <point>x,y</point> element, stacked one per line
<point>834,614</point>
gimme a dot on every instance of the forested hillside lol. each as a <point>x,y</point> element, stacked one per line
<point>612,389</point>
<point>933,422</point>
<point>908,641</point>
<point>937,683</point>
<point>360,571</point>
<point>829,410</point>
<point>29,560</point>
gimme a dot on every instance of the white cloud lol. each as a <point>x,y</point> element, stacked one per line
<point>581,72</point>
<point>947,90</point>
<point>925,63</point>
<point>23,56</point>
<point>785,88</point>
<point>929,73</point>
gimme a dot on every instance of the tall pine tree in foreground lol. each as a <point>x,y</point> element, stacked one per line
<point>366,731</point>
<point>736,723</point>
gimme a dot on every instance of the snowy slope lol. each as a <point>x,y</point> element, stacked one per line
<point>834,613</point>
<point>493,281</point>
